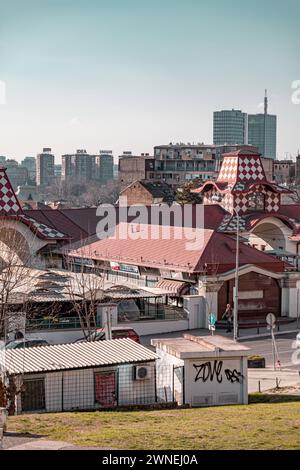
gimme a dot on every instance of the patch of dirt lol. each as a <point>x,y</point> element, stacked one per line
<point>289,390</point>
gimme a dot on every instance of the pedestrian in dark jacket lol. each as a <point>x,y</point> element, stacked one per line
<point>228,316</point>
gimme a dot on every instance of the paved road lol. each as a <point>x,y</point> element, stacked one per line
<point>287,353</point>
<point>261,346</point>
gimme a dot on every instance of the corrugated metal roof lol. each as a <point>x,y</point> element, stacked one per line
<point>53,285</point>
<point>76,356</point>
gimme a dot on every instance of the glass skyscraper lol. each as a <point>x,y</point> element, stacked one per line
<point>262,132</point>
<point>230,127</point>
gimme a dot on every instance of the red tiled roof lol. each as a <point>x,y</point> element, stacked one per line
<point>291,210</point>
<point>80,224</point>
<point>213,251</point>
<point>57,219</point>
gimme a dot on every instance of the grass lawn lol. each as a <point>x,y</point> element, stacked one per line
<point>255,426</point>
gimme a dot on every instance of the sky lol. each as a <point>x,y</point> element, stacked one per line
<point>131,74</point>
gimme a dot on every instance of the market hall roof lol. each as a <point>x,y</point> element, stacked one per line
<point>185,249</point>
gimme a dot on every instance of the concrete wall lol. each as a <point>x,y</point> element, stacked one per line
<point>136,392</point>
<point>216,381</point>
<point>56,336</point>
<point>204,385</point>
<point>144,328</point>
<point>169,386</point>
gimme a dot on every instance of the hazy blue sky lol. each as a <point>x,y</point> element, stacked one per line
<point>129,74</point>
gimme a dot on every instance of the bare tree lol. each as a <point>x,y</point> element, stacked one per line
<point>109,193</point>
<point>86,291</point>
<point>14,274</point>
<point>79,192</point>
<point>15,259</point>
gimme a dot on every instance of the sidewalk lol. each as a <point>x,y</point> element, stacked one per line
<point>262,332</point>
<point>14,441</point>
<point>244,334</point>
<point>266,379</point>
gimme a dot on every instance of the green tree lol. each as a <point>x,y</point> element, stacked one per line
<point>184,195</point>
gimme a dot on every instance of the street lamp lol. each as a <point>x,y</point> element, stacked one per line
<point>236,283</point>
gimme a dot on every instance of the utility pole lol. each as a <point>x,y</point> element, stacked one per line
<point>108,333</point>
<point>236,284</point>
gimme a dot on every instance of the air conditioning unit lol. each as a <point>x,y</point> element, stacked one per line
<point>141,372</point>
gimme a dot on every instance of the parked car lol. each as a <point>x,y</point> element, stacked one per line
<point>298,340</point>
<point>30,343</point>
<point>117,333</point>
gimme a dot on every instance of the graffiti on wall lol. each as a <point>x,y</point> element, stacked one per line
<point>213,370</point>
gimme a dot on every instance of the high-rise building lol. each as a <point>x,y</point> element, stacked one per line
<point>105,166</point>
<point>17,174</point>
<point>230,127</point>
<point>57,171</point>
<point>80,166</point>
<point>262,131</point>
<point>44,167</point>
<point>30,164</point>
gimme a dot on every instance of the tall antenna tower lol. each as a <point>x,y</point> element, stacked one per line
<point>266,102</point>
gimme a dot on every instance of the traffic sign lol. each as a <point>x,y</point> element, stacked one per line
<point>212,319</point>
<point>271,320</point>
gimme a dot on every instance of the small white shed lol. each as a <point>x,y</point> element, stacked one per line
<point>82,376</point>
<point>214,369</point>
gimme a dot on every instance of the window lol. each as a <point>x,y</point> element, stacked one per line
<point>33,396</point>
<point>256,201</point>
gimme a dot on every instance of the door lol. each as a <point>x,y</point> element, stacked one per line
<point>105,389</point>
<point>33,395</point>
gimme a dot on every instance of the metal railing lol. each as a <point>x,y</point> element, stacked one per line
<point>55,323</point>
<point>163,312</point>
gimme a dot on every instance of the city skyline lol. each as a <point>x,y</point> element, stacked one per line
<point>129,75</point>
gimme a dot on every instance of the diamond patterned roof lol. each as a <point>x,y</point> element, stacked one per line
<point>241,168</point>
<point>42,229</point>
<point>10,207</point>
<point>9,203</point>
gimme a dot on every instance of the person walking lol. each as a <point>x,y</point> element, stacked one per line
<point>228,316</point>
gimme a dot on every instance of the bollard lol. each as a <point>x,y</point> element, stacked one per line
<point>259,389</point>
